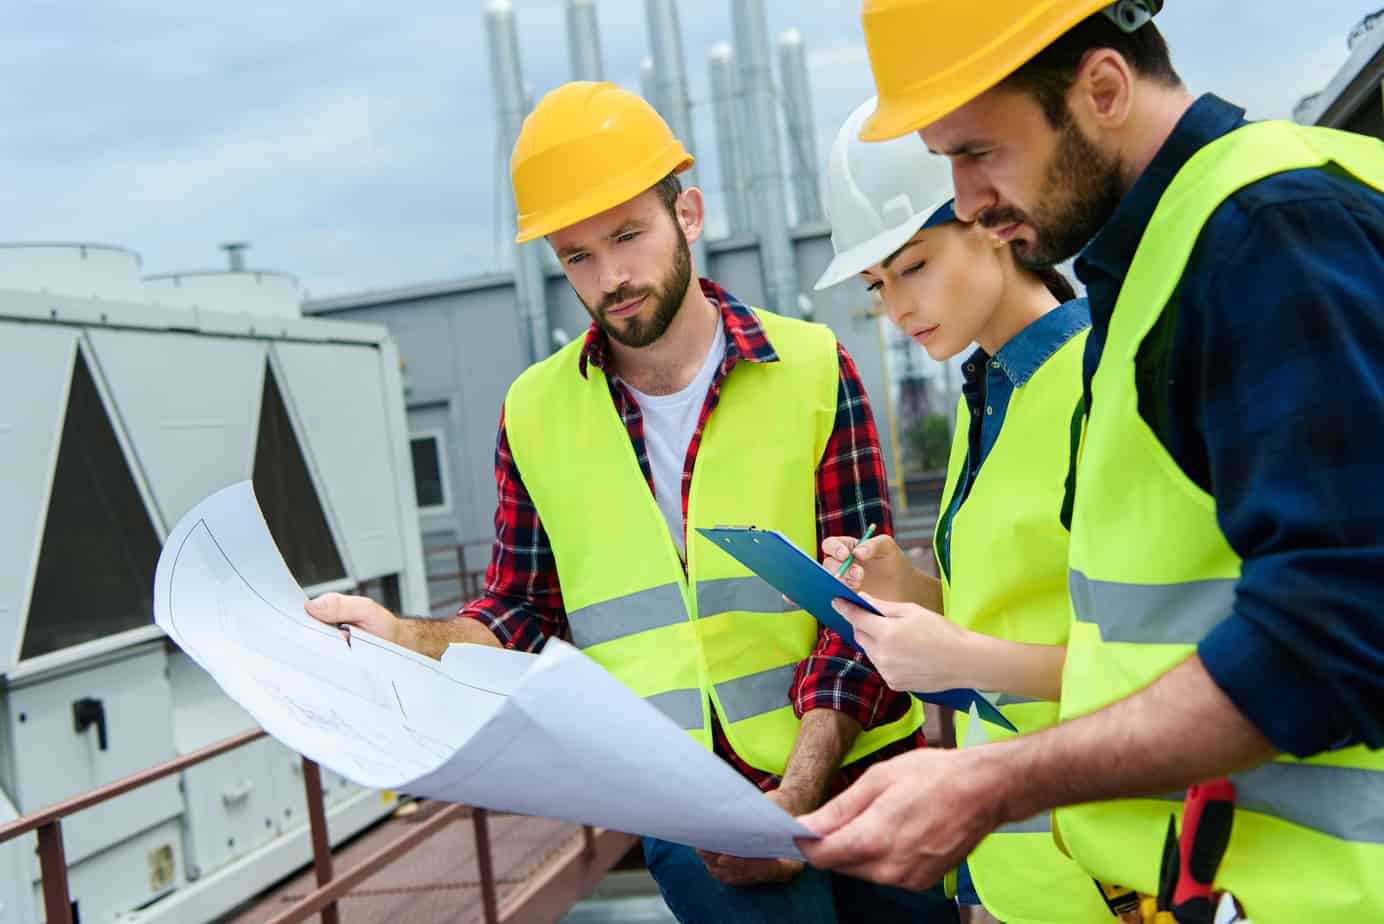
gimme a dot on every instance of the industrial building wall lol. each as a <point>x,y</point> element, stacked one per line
<point>461,350</point>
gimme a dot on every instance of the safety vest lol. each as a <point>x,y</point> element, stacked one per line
<point>1008,579</point>
<point>1152,574</point>
<point>716,637</point>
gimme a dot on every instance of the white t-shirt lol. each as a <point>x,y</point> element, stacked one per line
<point>669,422</point>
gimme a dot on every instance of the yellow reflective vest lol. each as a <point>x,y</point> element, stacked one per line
<point>1008,579</point>
<point>716,637</point>
<point>1152,573</point>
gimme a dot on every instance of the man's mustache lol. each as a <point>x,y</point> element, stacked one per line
<point>620,296</point>
<point>1001,218</point>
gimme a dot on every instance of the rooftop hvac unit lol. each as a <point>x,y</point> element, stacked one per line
<point>116,417</point>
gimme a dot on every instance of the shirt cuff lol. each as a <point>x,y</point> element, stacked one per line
<point>1272,688</point>
<point>514,629</point>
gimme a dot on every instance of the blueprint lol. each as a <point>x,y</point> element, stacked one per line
<point>553,734</point>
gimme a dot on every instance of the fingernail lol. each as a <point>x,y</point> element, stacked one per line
<point>316,605</point>
<point>857,572</point>
<point>839,605</point>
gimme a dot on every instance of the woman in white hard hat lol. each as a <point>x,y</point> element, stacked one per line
<point>1001,539</point>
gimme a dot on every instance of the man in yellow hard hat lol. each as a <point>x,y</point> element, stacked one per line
<point>681,408</point>
<point>1227,538</point>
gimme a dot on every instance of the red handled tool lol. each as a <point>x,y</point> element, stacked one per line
<point>1207,817</point>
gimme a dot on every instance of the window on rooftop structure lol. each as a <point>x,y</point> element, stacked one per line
<point>429,482</point>
<point>95,574</point>
<point>287,497</point>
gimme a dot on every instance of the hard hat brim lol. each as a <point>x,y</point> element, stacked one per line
<point>894,121</point>
<point>621,189</point>
<point>866,254</point>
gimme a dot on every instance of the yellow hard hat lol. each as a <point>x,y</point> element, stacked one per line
<point>585,148</point>
<point>930,57</point>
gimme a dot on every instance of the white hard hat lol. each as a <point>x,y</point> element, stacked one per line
<point>879,194</point>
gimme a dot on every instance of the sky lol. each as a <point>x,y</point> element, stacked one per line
<point>354,144</point>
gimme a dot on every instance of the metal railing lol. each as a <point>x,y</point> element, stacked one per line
<point>471,579</point>
<point>57,901</point>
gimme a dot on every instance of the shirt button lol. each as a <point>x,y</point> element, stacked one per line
<point>970,367</point>
<point>989,411</point>
<point>995,364</point>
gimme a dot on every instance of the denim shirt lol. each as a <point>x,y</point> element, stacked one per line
<point>989,383</point>
<point>1264,379</point>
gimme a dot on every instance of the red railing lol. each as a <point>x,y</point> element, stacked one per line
<point>57,901</point>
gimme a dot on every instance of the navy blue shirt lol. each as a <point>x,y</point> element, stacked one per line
<point>1264,379</point>
<point>989,383</point>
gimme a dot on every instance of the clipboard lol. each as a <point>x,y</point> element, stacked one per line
<point>802,579</point>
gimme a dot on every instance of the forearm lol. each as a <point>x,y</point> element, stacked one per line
<point>1180,730</point>
<point>1033,671</point>
<point>431,637</point>
<point>925,590</point>
<point>824,737</point>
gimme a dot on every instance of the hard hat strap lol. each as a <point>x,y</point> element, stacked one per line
<point>1132,15</point>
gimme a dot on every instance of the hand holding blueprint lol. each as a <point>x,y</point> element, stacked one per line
<point>552,734</point>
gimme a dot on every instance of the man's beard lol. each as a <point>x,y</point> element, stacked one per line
<point>668,296</point>
<point>1063,225</point>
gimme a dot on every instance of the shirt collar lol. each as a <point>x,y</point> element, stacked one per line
<point>1111,251</point>
<point>745,336</point>
<point>1025,353</point>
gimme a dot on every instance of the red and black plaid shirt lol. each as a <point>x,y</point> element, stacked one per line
<point>523,600</point>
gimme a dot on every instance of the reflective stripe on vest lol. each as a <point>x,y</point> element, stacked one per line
<point>684,707</point>
<point>1041,824</point>
<point>1008,579</point>
<point>662,606</point>
<point>628,615</point>
<point>708,634</point>
<point>747,594</point>
<point>1152,574</point>
<point>1152,614</point>
<point>1311,795</point>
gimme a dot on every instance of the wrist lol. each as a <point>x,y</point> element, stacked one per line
<point>799,799</point>
<point>1003,780</point>
<point>969,657</point>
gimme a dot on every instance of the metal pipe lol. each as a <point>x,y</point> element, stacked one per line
<point>766,165</point>
<point>52,869</point>
<point>321,844</point>
<point>797,110</point>
<point>725,103</point>
<point>235,252</point>
<point>490,905</point>
<point>648,82</point>
<point>670,88</point>
<point>511,105</point>
<point>584,40</point>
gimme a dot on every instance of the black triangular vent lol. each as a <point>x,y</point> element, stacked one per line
<point>286,495</point>
<point>95,572</point>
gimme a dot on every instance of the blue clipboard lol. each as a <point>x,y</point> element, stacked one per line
<point>800,578</point>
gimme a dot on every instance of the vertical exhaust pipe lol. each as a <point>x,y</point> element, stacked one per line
<point>670,83</point>
<point>584,40</point>
<point>730,136</point>
<point>511,105</point>
<point>769,202</point>
<point>802,142</point>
